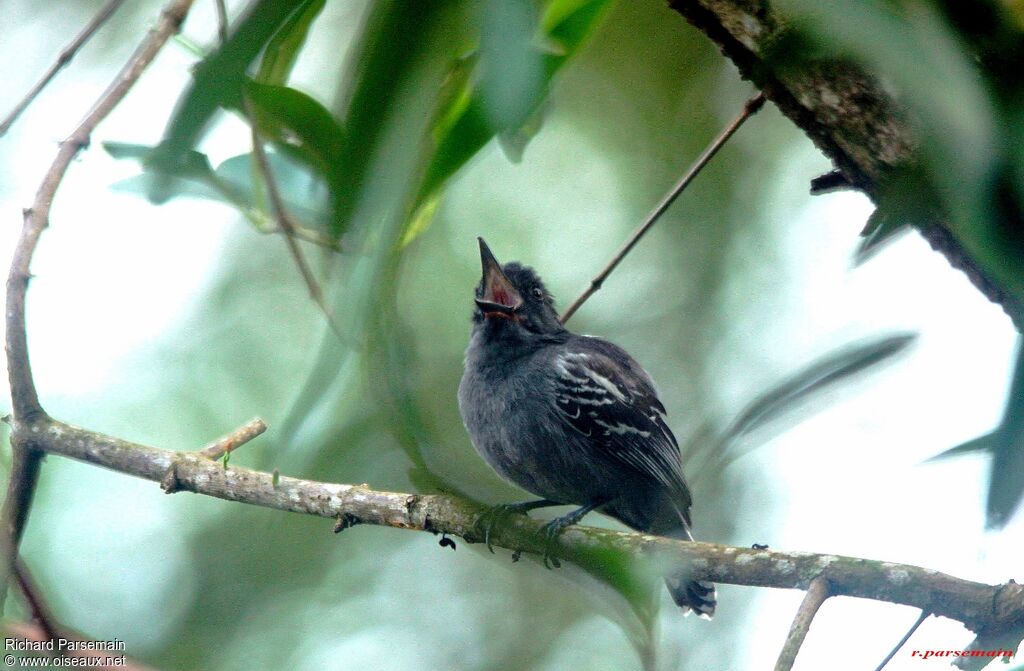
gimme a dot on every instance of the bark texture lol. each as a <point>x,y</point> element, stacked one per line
<point>841,108</point>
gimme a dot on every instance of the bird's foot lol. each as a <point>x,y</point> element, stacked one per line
<point>555,527</point>
<point>486,523</point>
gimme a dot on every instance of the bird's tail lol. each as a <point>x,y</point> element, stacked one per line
<point>690,595</point>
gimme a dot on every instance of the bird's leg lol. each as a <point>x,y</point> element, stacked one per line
<point>552,529</point>
<point>486,522</point>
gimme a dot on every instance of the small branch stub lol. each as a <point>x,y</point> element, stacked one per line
<point>240,436</point>
<point>345,521</point>
<point>169,483</point>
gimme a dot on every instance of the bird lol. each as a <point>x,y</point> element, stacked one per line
<point>571,418</point>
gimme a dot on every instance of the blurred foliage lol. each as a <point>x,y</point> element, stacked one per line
<point>502,55</point>
<point>955,68</point>
<point>231,182</point>
<point>1005,445</point>
<point>715,449</point>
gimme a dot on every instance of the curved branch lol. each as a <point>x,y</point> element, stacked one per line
<point>24,399</point>
<point>979,606</point>
<point>840,108</point>
<point>817,592</point>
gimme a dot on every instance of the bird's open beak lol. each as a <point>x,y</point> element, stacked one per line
<point>500,298</point>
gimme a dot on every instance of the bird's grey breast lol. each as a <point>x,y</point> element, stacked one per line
<point>509,419</point>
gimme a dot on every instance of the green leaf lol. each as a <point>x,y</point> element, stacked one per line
<point>985,443</point>
<point>883,227</point>
<point>218,82</point>
<point>510,79</point>
<point>193,164</point>
<point>473,111</point>
<point>231,183</point>
<point>513,141</point>
<point>421,220</point>
<point>396,70</point>
<point>394,38</point>
<point>305,196</point>
<point>298,126</point>
<point>567,24</point>
<point>1006,480</point>
<point>283,49</point>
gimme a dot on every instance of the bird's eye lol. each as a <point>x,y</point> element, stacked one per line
<point>538,292</point>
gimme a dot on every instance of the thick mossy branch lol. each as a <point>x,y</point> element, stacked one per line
<point>841,108</point>
<point>979,606</point>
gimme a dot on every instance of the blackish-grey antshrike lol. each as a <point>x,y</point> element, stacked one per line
<point>570,418</point>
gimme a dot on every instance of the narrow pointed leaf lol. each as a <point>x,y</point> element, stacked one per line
<point>882,228</point>
<point>467,117</point>
<point>820,375</point>
<point>298,125</point>
<point>985,443</point>
<point>1006,482</point>
<point>283,49</point>
<point>231,183</point>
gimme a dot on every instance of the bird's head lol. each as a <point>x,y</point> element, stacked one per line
<point>512,300</point>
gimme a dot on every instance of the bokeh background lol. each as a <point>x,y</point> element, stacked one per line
<point>170,324</point>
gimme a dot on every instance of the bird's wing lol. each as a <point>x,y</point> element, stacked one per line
<point>606,396</point>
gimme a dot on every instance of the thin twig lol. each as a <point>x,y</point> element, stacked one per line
<point>903,641</point>
<point>817,592</point>
<point>24,399</point>
<point>240,436</point>
<point>222,21</point>
<point>284,221</point>
<point>749,109</point>
<point>63,59</point>
<point>308,235</point>
<point>296,231</point>
<point>41,613</point>
<point>977,605</point>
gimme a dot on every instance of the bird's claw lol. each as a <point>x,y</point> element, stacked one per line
<point>551,530</point>
<point>490,518</point>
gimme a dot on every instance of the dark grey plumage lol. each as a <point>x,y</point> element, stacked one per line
<point>570,418</point>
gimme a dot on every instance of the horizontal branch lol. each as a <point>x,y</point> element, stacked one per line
<point>979,606</point>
